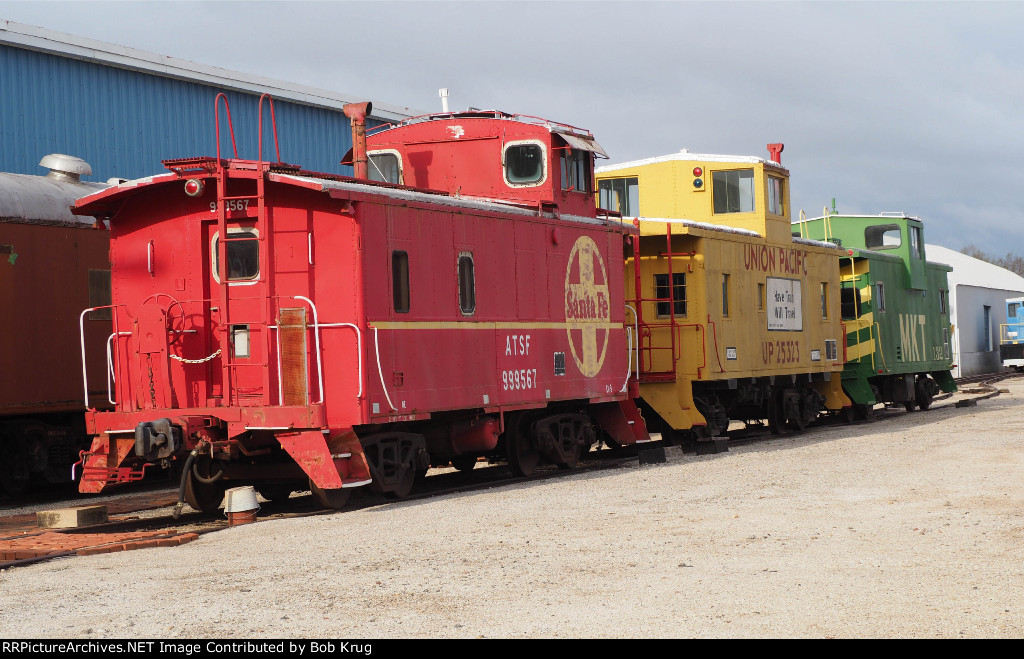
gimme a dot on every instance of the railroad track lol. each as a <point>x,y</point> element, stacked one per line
<point>22,543</point>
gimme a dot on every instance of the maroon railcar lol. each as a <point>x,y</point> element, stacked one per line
<point>279,327</point>
<point>52,265</point>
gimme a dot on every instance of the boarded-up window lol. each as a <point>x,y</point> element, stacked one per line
<point>400,281</point>
<point>99,294</point>
<point>467,284</point>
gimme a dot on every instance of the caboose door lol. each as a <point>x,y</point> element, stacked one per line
<point>238,307</point>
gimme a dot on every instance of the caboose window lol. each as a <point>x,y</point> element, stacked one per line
<point>678,294</point>
<point>725,296</point>
<point>1012,309</point>
<point>849,302</point>
<point>824,299</point>
<point>880,296</point>
<point>883,236</point>
<point>733,191</point>
<point>576,170</point>
<point>916,247</point>
<point>775,202</point>
<point>942,304</point>
<point>243,252</point>
<point>620,194</point>
<point>385,166</point>
<point>400,281</point>
<point>467,284</point>
<point>524,163</point>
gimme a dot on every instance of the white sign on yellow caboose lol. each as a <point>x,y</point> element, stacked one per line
<point>785,307</point>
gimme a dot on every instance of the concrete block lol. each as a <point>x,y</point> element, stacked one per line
<point>652,456</point>
<point>970,402</point>
<point>713,446</point>
<point>71,518</point>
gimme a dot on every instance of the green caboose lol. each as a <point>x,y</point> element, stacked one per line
<point>895,306</point>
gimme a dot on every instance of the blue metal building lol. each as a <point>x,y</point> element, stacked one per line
<point>124,110</point>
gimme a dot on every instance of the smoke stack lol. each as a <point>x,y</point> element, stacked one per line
<point>357,113</point>
<point>775,150</point>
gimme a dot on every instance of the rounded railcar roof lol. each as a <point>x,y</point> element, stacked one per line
<point>43,200</point>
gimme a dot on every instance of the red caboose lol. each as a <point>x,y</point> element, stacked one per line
<point>275,325</point>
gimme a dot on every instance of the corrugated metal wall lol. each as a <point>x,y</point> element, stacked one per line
<point>124,123</point>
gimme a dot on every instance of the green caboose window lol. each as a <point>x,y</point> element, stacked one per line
<point>733,191</point>
<point>849,302</point>
<point>883,236</point>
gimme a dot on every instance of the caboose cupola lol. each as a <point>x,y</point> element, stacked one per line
<point>491,155</point>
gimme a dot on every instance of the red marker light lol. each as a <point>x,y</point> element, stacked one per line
<point>698,171</point>
<point>850,252</point>
<point>194,187</point>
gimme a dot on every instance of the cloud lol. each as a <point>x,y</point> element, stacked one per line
<point>885,106</point>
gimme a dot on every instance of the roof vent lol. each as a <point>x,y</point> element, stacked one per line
<point>65,168</point>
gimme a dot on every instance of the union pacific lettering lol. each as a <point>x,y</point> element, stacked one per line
<point>775,259</point>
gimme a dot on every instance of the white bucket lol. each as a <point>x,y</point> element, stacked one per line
<point>240,499</point>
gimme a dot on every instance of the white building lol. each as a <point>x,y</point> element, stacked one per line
<point>977,308</point>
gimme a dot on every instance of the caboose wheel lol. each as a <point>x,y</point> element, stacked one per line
<point>205,497</point>
<point>848,414</point>
<point>923,390</point>
<point>404,487</point>
<point>522,456</point>
<point>777,413</point>
<point>573,459</point>
<point>862,411</point>
<point>334,499</point>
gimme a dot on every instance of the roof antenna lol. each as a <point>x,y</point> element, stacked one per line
<point>443,93</point>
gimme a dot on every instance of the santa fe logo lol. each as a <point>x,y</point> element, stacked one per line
<point>587,310</point>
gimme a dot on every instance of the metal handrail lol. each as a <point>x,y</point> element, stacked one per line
<point>636,325</point>
<point>111,377</point>
<point>380,372</point>
<point>81,337</point>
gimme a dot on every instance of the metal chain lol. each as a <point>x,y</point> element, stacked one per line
<point>195,361</point>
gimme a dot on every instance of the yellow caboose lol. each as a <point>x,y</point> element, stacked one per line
<point>736,318</point>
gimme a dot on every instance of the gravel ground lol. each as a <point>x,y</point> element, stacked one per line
<point>912,526</point>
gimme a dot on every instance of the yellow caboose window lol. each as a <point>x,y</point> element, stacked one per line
<point>678,294</point>
<point>776,205</point>
<point>725,296</point>
<point>733,191</point>
<point>824,299</point>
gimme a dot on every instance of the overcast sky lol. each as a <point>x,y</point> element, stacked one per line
<point>885,106</point>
